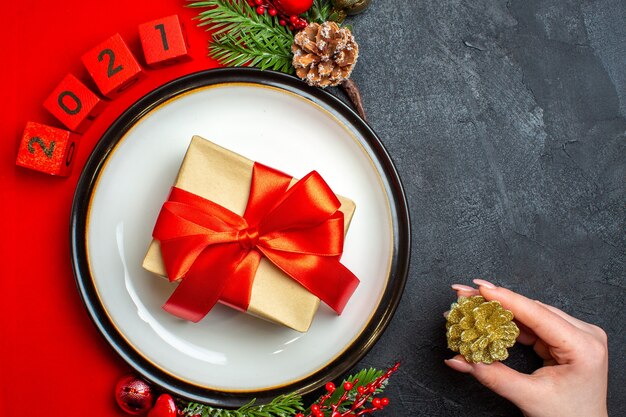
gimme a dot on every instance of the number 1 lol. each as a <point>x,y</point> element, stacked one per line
<point>161,28</point>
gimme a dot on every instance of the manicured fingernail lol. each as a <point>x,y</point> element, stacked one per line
<point>446,314</point>
<point>483,283</point>
<point>458,365</point>
<point>461,287</point>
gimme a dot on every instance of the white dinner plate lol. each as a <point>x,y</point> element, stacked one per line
<point>229,357</point>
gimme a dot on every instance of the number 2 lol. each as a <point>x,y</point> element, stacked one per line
<point>111,71</point>
<point>161,28</point>
<point>48,151</point>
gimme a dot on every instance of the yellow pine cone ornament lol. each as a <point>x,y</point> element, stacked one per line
<point>480,330</point>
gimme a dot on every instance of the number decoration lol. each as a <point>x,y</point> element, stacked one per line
<point>47,149</point>
<point>73,104</point>
<point>111,69</point>
<point>163,41</point>
<point>112,66</point>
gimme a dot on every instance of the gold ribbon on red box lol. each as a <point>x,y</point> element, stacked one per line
<point>215,252</point>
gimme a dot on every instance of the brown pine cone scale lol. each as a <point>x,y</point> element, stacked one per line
<point>324,54</point>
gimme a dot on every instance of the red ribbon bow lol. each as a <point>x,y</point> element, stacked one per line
<point>216,252</point>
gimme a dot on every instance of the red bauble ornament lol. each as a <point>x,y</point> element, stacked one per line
<point>292,7</point>
<point>165,407</point>
<point>133,395</point>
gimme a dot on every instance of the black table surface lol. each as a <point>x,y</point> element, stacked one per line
<point>506,121</point>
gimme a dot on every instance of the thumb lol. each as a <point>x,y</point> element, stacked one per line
<point>504,381</point>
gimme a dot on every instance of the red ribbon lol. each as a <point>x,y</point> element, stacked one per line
<point>216,252</point>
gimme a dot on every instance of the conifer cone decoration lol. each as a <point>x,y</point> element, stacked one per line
<point>480,330</point>
<point>324,54</point>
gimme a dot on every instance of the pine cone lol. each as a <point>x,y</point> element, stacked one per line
<point>324,55</point>
<point>480,330</point>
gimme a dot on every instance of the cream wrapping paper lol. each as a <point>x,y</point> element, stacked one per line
<point>224,177</point>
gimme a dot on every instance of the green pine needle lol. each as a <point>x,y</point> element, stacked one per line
<point>290,404</point>
<point>235,52</point>
<point>364,377</point>
<point>319,12</point>
<point>281,406</point>
<point>243,37</point>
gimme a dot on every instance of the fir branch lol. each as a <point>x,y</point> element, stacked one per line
<point>319,11</point>
<point>372,380</point>
<point>236,18</point>
<point>258,51</point>
<point>363,378</point>
<point>281,406</point>
<point>243,37</point>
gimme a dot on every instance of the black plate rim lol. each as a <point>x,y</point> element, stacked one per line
<point>393,188</point>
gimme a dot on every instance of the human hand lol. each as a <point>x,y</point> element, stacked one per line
<point>573,380</point>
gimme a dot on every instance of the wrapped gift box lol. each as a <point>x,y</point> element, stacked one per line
<point>224,177</point>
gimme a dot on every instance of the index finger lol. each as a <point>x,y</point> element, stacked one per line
<point>548,326</point>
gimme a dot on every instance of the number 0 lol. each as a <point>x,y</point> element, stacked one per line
<point>77,103</point>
